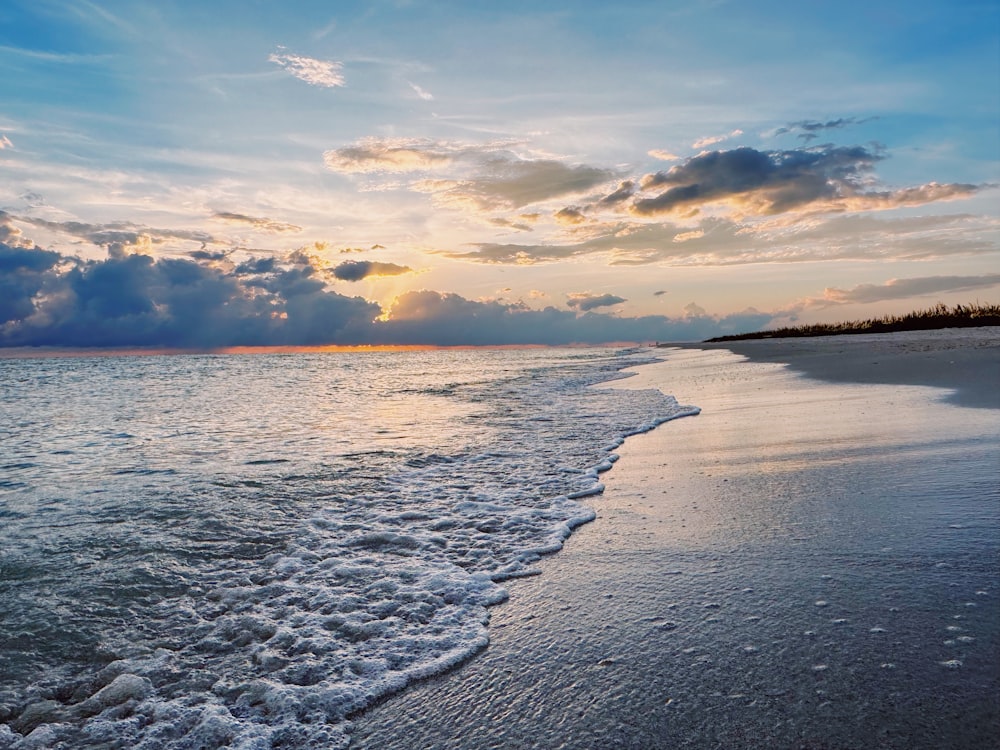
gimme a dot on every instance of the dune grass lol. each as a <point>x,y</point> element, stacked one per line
<point>939,316</point>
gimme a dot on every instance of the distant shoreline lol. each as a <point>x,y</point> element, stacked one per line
<point>937,317</point>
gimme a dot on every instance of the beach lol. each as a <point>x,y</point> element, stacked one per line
<point>811,562</point>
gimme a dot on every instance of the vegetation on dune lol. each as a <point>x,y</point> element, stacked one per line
<point>939,316</point>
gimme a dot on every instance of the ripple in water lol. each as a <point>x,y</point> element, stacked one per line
<point>242,551</point>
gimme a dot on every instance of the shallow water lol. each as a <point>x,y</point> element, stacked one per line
<point>805,565</point>
<point>205,551</point>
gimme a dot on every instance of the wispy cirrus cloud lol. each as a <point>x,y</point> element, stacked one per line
<point>506,182</point>
<point>323,73</point>
<point>912,287</point>
<point>257,222</point>
<point>663,155</point>
<point>5,142</point>
<point>717,241</point>
<point>424,94</point>
<point>119,235</point>
<point>392,155</point>
<point>809,130</point>
<point>476,177</point>
<point>711,140</point>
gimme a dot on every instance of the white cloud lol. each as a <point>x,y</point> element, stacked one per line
<point>325,73</point>
<point>713,139</point>
<point>695,234</point>
<point>5,142</point>
<point>663,155</point>
<point>427,96</point>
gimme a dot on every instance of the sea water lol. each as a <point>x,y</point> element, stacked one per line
<point>211,550</point>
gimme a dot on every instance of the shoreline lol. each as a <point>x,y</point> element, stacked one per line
<point>782,570</point>
<point>965,360</point>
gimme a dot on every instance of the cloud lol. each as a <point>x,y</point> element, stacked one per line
<point>136,300</point>
<point>119,236</point>
<point>371,155</point>
<point>694,310</point>
<point>24,271</point>
<point>659,293</point>
<point>811,128</point>
<point>662,155</point>
<point>719,241</point>
<point>906,288</point>
<point>520,226</point>
<point>324,73</point>
<point>423,94</point>
<point>830,178</point>
<point>521,255</point>
<point>585,301</point>
<point>428,317</point>
<point>356,270</point>
<point>507,182</point>
<point>711,140</point>
<point>10,234</point>
<point>695,234</point>
<point>625,191</point>
<point>206,301</point>
<point>481,178</point>
<point>5,142</point>
<point>570,215</point>
<point>267,225</point>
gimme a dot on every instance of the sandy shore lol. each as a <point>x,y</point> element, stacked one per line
<point>964,360</point>
<point>806,564</point>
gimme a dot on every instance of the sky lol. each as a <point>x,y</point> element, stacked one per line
<point>184,173</point>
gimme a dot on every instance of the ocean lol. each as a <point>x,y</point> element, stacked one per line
<point>246,550</point>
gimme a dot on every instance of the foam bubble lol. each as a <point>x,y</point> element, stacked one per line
<point>312,582</point>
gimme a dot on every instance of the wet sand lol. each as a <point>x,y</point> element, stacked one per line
<point>806,564</point>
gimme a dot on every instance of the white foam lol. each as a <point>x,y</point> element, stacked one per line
<point>386,577</point>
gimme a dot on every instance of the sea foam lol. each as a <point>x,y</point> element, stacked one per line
<point>259,547</point>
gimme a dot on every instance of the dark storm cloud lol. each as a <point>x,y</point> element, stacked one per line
<point>356,270</point>
<point>136,300</point>
<point>775,181</point>
<point>23,274</point>
<point>47,299</point>
<point>584,301</point>
<point>255,266</point>
<point>829,178</point>
<point>625,191</point>
<point>212,255</point>
<point>913,287</point>
<point>31,260</point>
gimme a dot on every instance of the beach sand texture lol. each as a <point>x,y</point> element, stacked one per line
<point>806,564</point>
